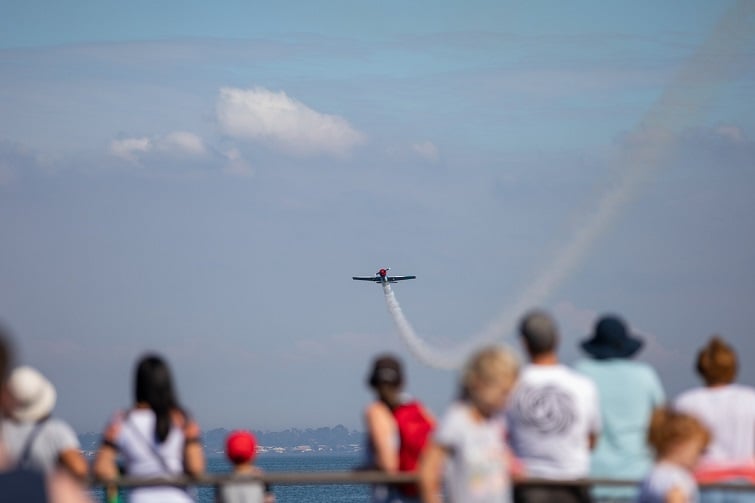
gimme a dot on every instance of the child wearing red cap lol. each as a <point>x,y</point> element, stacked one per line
<point>240,448</point>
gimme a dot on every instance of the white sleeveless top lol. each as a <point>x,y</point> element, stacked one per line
<point>135,435</point>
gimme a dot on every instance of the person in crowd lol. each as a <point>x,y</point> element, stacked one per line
<point>553,417</point>
<point>19,483</point>
<point>156,438</point>
<point>470,439</point>
<point>397,428</point>
<point>32,437</point>
<point>678,440</point>
<point>728,410</point>
<point>241,448</point>
<point>628,392</point>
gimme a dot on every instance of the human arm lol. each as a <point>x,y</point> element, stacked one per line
<point>75,463</point>
<point>64,442</point>
<point>381,428</point>
<point>430,472</point>
<point>105,465</point>
<point>194,461</point>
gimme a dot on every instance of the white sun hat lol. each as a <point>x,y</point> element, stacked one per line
<point>33,394</point>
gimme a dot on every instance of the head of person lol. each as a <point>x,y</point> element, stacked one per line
<point>677,437</point>
<point>386,377</point>
<point>153,387</point>
<point>240,447</point>
<point>717,362</point>
<point>539,333</point>
<point>610,339</point>
<point>488,378</point>
<point>31,395</point>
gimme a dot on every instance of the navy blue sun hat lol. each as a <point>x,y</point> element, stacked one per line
<point>611,339</point>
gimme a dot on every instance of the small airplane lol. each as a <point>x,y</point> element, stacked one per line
<point>382,277</point>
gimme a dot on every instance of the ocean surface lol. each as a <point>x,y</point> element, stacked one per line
<point>358,493</point>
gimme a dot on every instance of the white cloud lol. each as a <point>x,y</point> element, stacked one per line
<point>265,116</point>
<point>174,144</point>
<point>130,148</point>
<point>427,150</point>
<point>183,142</point>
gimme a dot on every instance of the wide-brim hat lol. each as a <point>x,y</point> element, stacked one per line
<point>611,339</point>
<point>33,394</point>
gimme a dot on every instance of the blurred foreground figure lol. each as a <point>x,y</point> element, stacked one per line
<point>728,410</point>
<point>678,439</point>
<point>22,484</point>
<point>398,428</point>
<point>628,392</point>
<point>553,417</point>
<point>32,437</point>
<point>470,438</point>
<point>156,438</point>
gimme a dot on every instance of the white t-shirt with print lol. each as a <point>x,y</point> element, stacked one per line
<point>729,413</point>
<point>663,478</point>
<point>476,471</point>
<point>550,416</point>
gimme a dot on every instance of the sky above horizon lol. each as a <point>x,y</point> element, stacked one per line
<point>203,179</point>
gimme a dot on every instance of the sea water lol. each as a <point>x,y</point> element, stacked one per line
<point>317,493</point>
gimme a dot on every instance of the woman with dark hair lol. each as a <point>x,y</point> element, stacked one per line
<point>391,412</point>
<point>156,438</point>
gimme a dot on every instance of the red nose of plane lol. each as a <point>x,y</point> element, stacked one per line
<point>382,272</point>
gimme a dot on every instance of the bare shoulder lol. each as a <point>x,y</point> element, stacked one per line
<point>377,409</point>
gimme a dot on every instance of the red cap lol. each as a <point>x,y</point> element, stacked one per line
<point>240,446</point>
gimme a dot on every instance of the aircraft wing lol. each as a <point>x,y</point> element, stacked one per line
<point>369,278</point>
<point>393,279</point>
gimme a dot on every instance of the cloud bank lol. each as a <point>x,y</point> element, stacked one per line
<point>275,119</point>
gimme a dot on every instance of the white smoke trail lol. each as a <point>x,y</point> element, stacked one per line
<point>686,97</point>
<point>416,345</point>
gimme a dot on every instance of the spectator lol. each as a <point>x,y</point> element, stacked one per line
<point>385,439</point>
<point>727,409</point>
<point>678,439</point>
<point>157,437</point>
<point>553,417</point>
<point>240,448</point>
<point>471,435</point>
<point>628,392</point>
<point>33,439</point>
<point>22,484</point>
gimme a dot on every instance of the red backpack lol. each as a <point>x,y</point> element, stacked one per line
<point>414,428</point>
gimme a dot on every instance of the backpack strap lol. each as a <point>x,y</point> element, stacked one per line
<point>24,460</point>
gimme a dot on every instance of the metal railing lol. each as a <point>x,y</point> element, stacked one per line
<point>358,477</point>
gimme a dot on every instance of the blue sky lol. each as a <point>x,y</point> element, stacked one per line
<point>203,179</point>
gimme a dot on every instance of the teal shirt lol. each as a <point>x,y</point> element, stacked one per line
<point>628,393</point>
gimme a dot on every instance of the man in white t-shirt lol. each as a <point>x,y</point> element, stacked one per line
<point>553,417</point>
